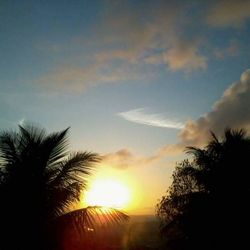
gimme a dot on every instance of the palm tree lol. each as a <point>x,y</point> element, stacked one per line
<point>207,205</point>
<point>40,181</point>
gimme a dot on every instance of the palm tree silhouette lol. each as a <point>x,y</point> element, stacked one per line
<point>207,204</point>
<point>40,181</point>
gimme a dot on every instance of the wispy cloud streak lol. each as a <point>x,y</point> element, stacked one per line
<point>156,120</point>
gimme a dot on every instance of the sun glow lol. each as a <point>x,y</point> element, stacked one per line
<point>108,193</point>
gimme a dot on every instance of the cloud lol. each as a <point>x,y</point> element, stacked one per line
<point>180,55</point>
<point>122,159</point>
<point>125,158</point>
<point>155,59</point>
<point>21,122</point>
<point>126,41</point>
<point>129,55</point>
<point>231,110</point>
<point>231,50</point>
<point>226,13</point>
<point>156,120</point>
<point>78,79</point>
<point>157,40</point>
<point>124,44</point>
<point>184,56</point>
<point>171,150</point>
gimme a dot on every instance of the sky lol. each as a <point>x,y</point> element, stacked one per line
<point>136,81</point>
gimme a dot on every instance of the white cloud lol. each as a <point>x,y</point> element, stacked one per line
<point>231,110</point>
<point>156,120</point>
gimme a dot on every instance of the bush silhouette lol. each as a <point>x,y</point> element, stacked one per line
<point>207,205</point>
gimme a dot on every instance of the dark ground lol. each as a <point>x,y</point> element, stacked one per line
<point>140,233</point>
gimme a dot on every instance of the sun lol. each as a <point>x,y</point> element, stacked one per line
<point>108,193</point>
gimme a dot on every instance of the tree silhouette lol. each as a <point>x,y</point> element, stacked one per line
<point>40,181</point>
<point>207,204</point>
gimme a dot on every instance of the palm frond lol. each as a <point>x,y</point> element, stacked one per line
<point>214,137</point>
<point>54,146</point>
<point>75,169</point>
<point>234,133</point>
<point>62,198</point>
<point>68,179</point>
<point>91,218</point>
<point>8,150</point>
<point>30,133</point>
<point>35,169</point>
<point>29,145</point>
<point>194,150</point>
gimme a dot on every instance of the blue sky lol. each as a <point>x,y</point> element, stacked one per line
<point>136,81</point>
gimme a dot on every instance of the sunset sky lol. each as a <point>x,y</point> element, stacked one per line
<point>136,81</point>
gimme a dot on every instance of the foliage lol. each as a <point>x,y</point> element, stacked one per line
<point>207,204</point>
<point>40,181</point>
